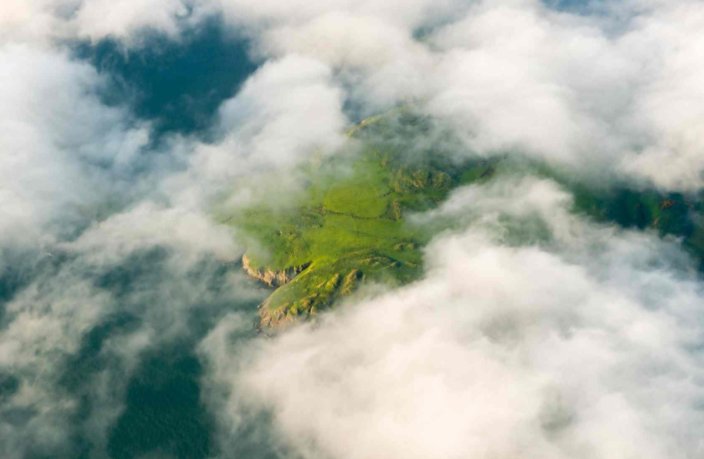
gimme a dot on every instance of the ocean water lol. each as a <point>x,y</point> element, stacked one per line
<point>162,407</point>
<point>176,84</point>
<point>178,87</point>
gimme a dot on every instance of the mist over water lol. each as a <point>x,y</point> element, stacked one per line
<point>178,85</point>
<point>560,311</point>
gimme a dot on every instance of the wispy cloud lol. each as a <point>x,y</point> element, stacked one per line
<point>533,332</point>
<point>581,347</point>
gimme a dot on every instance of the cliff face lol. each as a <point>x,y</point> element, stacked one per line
<point>348,226</point>
<point>271,277</point>
<point>314,291</point>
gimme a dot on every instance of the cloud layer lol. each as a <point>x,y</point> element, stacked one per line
<point>534,331</point>
<point>580,91</point>
<point>583,346</point>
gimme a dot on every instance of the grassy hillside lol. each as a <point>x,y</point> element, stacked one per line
<point>348,224</point>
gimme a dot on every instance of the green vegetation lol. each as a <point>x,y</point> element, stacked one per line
<point>348,224</point>
<point>670,214</point>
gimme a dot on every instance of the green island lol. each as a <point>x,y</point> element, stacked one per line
<point>348,224</point>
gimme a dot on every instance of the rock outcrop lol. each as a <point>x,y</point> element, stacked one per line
<point>271,277</point>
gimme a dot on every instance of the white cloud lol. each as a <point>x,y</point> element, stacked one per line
<point>76,287</point>
<point>568,89</point>
<point>96,19</point>
<point>507,79</point>
<point>672,100</point>
<point>611,94</point>
<point>584,347</point>
<point>267,13</point>
<point>149,225</point>
<point>31,20</point>
<point>43,21</point>
<point>61,147</point>
<point>287,112</point>
<point>43,325</point>
<point>532,333</point>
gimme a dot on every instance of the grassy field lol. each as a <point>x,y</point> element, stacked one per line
<point>347,228</point>
<point>348,224</point>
